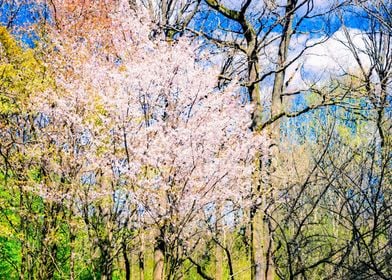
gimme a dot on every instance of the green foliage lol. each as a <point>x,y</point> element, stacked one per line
<point>10,258</point>
<point>21,74</point>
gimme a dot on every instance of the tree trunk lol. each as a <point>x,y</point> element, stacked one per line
<point>72,257</point>
<point>218,248</point>
<point>256,248</point>
<point>256,216</point>
<point>141,263</point>
<point>218,263</point>
<point>274,135</point>
<point>261,259</point>
<point>24,263</point>
<point>106,262</point>
<point>127,263</point>
<point>159,259</point>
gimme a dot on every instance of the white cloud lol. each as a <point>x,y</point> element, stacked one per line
<point>333,57</point>
<point>321,62</point>
<point>232,4</point>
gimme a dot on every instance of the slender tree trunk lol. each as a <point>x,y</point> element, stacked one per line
<point>278,87</point>
<point>106,275</point>
<point>24,262</point>
<point>260,236</point>
<point>229,263</point>
<point>256,218</point>
<point>127,263</point>
<point>274,133</point>
<point>72,238</point>
<point>256,248</point>
<point>159,259</point>
<point>218,263</point>
<point>218,249</point>
<point>141,263</point>
<point>106,262</point>
<point>23,242</point>
<point>72,258</point>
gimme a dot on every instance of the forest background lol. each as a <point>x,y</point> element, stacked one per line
<point>195,139</point>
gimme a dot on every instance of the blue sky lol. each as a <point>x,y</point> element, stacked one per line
<point>210,20</point>
<point>20,17</point>
<point>26,15</point>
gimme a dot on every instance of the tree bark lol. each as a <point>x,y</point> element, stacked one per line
<point>141,260</point>
<point>274,133</point>
<point>218,263</point>
<point>159,259</point>
<point>127,263</point>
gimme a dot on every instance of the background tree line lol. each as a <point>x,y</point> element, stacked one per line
<point>195,139</point>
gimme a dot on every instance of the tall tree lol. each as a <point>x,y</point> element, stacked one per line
<point>159,139</point>
<point>251,30</point>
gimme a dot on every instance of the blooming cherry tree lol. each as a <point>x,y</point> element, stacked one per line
<point>149,132</point>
